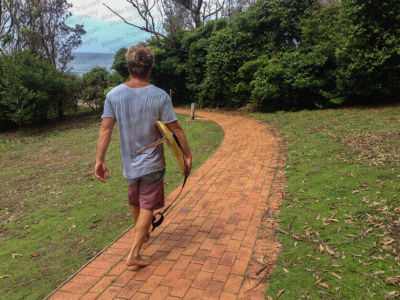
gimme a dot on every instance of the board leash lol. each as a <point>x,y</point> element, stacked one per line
<point>158,217</point>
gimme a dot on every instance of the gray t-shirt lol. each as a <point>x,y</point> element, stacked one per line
<point>136,110</point>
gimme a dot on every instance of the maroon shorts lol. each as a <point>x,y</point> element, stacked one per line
<point>147,191</point>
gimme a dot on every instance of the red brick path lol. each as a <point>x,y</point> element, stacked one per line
<point>212,244</point>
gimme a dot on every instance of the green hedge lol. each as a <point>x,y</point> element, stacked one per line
<point>287,54</point>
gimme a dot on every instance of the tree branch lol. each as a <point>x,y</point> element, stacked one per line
<point>146,29</point>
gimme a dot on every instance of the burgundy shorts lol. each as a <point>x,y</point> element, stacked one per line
<point>147,191</point>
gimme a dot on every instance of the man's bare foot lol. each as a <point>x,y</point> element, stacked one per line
<point>137,261</point>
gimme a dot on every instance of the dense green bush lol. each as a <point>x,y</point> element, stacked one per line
<point>287,54</point>
<point>267,28</point>
<point>31,90</point>
<point>115,78</point>
<point>95,82</point>
<point>119,64</point>
<point>169,70</point>
<point>304,77</point>
<point>369,58</point>
<point>243,39</point>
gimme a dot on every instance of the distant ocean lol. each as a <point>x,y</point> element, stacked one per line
<point>85,61</point>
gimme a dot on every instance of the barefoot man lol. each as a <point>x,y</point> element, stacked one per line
<point>136,105</point>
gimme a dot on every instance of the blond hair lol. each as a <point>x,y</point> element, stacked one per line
<point>139,60</point>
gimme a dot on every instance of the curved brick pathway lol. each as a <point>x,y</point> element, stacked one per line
<point>214,242</point>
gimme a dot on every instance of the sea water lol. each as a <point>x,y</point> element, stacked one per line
<point>85,61</point>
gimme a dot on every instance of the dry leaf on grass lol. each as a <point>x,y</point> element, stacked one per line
<point>336,275</point>
<point>392,295</point>
<point>280,292</point>
<point>394,280</point>
<point>324,284</point>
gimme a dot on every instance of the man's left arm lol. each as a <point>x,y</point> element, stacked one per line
<point>176,128</point>
<point>101,172</point>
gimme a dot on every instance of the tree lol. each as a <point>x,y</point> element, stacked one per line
<point>177,15</point>
<point>369,57</point>
<point>40,26</point>
<point>119,64</point>
<point>30,89</point>
<point>95,82</point>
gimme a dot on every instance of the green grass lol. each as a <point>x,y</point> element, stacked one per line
<point>54,213</point>
<point>343,184</point>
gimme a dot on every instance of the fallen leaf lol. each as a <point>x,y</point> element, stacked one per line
<point>376,273</point>
<point>35,254</point>
<point>14,255</point>
<point>336,275</point>
<point>329,250</point>
<point>4,276</point>
<point>280,292</point>
<point>392,295</point>
<point>324,284</point>
<point>394,280</point>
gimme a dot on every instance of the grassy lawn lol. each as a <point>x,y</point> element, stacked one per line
<point>54,215</point>
<point>340,218</point>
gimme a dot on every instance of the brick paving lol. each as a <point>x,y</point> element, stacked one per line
<point>215,242</point>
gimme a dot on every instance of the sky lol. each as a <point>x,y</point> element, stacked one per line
<point>106,32</point>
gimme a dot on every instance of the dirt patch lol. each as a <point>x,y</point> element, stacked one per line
<point>267,246</point>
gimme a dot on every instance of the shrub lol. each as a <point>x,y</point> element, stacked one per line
<point>169,70</point>
<point>115,79</point>
<point>196,42</point>
<point>119,64</point>
<point>30,90</point>
<point>95,82</point>
<point>267,28</point>
<point>304,77</point>
<point>369,58</point>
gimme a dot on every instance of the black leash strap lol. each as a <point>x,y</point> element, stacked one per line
<point>158,218</point>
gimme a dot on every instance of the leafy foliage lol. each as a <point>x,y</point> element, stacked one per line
<point>169,70</point>
<point>119,64</point>
<point>31,90</point>
<point>95,82</point>
<point>369,58</point>
<point>281,54</point>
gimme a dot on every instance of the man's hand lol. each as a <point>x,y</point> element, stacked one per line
<point>101,171</point>
<point>188,161</point>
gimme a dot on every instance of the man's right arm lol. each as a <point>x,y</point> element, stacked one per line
<point>105,132</point>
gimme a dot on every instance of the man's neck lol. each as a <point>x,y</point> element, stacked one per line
<point>138,82</point>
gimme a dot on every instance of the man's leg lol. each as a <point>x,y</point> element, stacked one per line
<point>141,230</point>
<point>135,214</point>
<point>151,194</point>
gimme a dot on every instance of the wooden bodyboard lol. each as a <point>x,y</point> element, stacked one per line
<point>173,144</point>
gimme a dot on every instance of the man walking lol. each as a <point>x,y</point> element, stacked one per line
<point>136,105</point>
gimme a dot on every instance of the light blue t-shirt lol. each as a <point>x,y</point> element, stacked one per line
<point>136,111</point>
